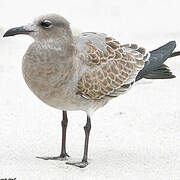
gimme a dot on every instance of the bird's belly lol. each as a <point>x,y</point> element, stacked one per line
<point>60,94</point>
<point>62,98</point>
<point>50,85</point>
<point>57,98</point>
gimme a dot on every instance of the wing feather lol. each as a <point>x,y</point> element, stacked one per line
<point>111,67</point>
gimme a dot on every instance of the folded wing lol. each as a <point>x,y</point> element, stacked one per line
<point>110,68</point>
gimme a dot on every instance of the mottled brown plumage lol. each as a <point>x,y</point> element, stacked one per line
<point>111,69</point>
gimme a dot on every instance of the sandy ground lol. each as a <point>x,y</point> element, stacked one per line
<point>135,136</point>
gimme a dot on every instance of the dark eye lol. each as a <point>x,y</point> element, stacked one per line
<point>46,24</point>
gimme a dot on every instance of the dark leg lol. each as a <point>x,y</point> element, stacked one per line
<point>84,161</point>
<point>64,123</point>
<point>63,155</point>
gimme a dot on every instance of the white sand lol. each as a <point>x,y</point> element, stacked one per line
<point>134,137</point>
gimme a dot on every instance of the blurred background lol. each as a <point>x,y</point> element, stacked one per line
<point>135,136</point>
<point>127,20</point>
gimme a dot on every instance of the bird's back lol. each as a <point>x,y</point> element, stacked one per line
<point>109,67</point>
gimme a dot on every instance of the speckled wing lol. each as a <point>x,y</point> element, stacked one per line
<point>110,68</point>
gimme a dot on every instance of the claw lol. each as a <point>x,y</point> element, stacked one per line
<point>62,157</point>
<point>81,164</point>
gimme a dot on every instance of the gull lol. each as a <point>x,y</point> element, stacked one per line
<point>83,72</point>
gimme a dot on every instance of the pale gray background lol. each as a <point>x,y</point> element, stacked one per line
<point>134,137</point>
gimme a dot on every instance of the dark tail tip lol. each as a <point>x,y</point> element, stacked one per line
<point>155,69</point>
<point>174,54</point>
<point>163,72</point>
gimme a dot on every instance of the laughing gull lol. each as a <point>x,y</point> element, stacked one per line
<point>83,72</point>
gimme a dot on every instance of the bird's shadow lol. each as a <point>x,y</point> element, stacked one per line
<point>144,82</point>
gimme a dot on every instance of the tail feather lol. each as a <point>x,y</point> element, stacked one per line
<point>174,54</point>
<point>155,69</point>
<point>163,72</point>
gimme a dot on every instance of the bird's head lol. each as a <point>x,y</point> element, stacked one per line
<point>46,27</point>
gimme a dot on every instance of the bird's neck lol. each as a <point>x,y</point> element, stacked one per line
<point>64,45</point>
<point>50,62</point>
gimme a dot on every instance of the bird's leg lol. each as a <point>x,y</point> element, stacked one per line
<point>63,155</point>
<point>64,123</point>
<point>84,161</point>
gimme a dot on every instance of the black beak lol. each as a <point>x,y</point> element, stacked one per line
<point>16,31</point>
